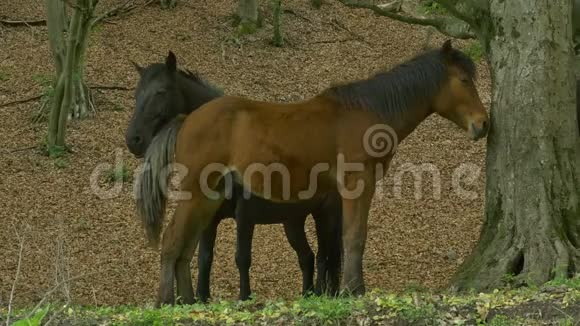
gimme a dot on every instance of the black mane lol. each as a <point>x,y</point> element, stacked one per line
<point>152,71</point>
<point>196,78</point>
<point>406,85</point>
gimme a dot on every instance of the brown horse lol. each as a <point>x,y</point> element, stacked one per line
<point>344,137</point>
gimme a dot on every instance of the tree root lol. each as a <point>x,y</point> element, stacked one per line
<point>539,261</point>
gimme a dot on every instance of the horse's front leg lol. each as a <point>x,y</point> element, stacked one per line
<point>179,243</point>
<point>328,231</point>
<point>173,243</point>
<point>245,234</point>
<point>355,211</point>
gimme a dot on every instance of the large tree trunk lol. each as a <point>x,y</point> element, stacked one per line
<point>532,226</point>
<point>72,98</point>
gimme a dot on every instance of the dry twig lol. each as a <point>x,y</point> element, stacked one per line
<point>19,23</point>
<point>338,24</point>
<point>53,289</point>
<point>30,99</point>
<point>10,300</point>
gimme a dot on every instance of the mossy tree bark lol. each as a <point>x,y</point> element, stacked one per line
<point>68,43</point>
<point>532,226</point>
<point>576,24</point>
<point>278,39</point>
<point>247,14</point>
<point>532,210</point>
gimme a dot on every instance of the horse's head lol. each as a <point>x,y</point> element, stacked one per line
<point>159,99</point>
<point>458,99</point>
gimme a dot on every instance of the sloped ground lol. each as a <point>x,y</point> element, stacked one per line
<point>68,231</point>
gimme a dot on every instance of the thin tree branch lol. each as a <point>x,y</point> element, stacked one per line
<point>30,99</point>
<point>338,24</point>
<point>23,149</point>
<point>38,97</point>
<point>449,26</point>
<point>381,12</point>
<point>292,12</point>
<point>15,278</point>
<point>333,41</point>
<point>118,88</point>
<point>58,285</point>
<point>123,8</point>
<point>18,23</point>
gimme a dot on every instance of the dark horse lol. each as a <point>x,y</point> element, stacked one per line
<point>344,137</point>
<point>162,94</point>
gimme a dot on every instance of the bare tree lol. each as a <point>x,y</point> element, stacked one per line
<point>68,38</point>
<point>532,210</point>
<point>68,43</point>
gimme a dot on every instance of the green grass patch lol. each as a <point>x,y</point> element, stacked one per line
<point>474,50</point>
<point>376,307</point>
<point>61,163</point>
<point>569,283</point>
<point>56,153</point>
<point>430,7</point>
<point>119,173</point>
<point>502,320</point>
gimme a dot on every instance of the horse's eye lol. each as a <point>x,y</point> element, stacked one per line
<point>465,81</point>
<point>161,91</point>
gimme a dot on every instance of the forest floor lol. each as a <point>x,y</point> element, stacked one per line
<point>555,303</point>
<point>55,229</point>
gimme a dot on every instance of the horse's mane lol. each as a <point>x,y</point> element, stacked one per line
<point>414,81</point>
<point>196,78</point>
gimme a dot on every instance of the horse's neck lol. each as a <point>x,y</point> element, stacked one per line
<point>404,123</point>
<point>194,97</point>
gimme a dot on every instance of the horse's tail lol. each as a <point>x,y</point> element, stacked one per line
<point>152,186</point>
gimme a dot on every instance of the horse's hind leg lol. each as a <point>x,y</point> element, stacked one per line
<point>354,234</point>
<point>179,242</point>
<point>294,229</point>
<point>205,259</point>
<point>245,234</point>
<point>184,286</point>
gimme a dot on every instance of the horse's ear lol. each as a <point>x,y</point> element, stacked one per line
<point>447,47</point>
<point>137,67</point>
<point>171,62</point>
